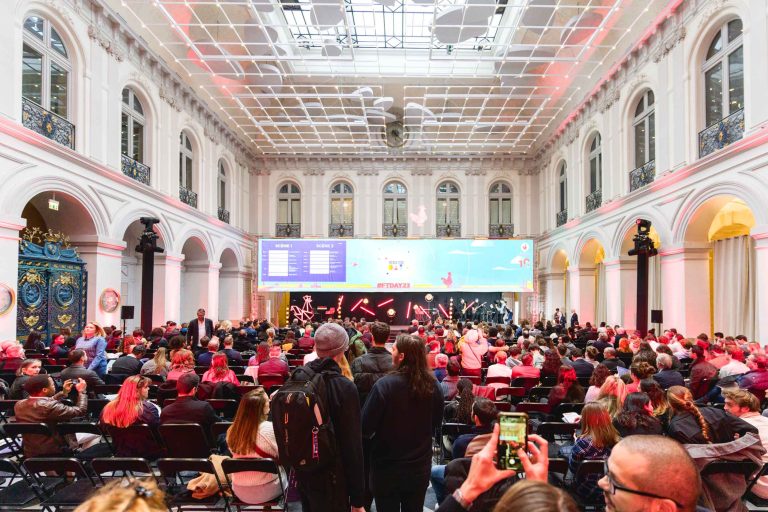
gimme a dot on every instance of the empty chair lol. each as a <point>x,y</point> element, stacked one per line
<point>138,440</point>
<point>225,408</point>
<point>512,394</point>
<point>120,468</point>
<point>99,444</point>
<point>185,440</point>
<point>70,494</point>
<point>539,392</point>
<point>19,490</point>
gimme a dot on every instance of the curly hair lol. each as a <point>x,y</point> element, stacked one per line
<point>466,399</point>
<point>598,377</point>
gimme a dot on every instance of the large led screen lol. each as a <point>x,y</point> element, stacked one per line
<point>395,265</point>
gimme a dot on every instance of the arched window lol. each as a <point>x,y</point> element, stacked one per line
<point>644,130</point>
<point>46,67</point>
<point>222,187</point>
<point>395,210</point>
<point>186,159</point>
<point>447,210</point>
<point>288,210</point>
<point>500,209</point>
<point>132,126</point>
<point>342,210</point>
<point>724,73</point>
<point>563,187</point>
<point>595,164</point>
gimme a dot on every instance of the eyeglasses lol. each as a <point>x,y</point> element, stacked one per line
<point>613,487</point>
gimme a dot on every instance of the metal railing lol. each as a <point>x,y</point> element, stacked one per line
<point>722,133</point>
<point>188,197</point>
<point>46,123</point>
<point>594,200</point>
<point>642,176</point>
<point>287,230</point>
<point>223,214</point>
<point>394,230</point>
<point>448,230</point>
<point>501,230</point>
<point>561,217</point>
<point>135,169</point>
<point>341,230</point>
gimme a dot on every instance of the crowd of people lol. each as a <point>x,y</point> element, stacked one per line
<point>653,410</point>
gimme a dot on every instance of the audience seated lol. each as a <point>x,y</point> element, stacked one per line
<point>77,369</point>
<point>596,381</point>
<point>610,360</point>
<point>158,365</point>
<point>756,380</point>
<point>473,348</point>
<point>187,408</point>
<point>131,407</point>
<point>29,368</point>
<point>129,364</point>
<point>450,382</point>
<point>233,356</point>
<point>274,365</point>
<point>597,438</point>
<point>745,405</point>
<point>220,371</point>
<point>637,417</point>
<point>11,356</point>
<point>205,358</point>
<point>702,373</point>
<point>701,425</point>
<point>567,389</point>
<point>525,369</point>
<point>666,376</point>
<point>500,369</point>
<point>441,367</point>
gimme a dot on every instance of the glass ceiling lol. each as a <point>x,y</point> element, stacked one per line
<point>372,25</point>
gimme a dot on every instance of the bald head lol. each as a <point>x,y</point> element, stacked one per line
<point>656,465</point>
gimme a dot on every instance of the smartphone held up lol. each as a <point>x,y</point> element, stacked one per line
<point>513,435</point>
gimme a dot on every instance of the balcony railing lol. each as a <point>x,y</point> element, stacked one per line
<point>561,217</point>
<point>288,230</point>
<point>223,215</point>
<point>134,169</point>
<point>642,176</point>
<point>594,200</point>
<point>341,230</point>
<point>46,123</point>
<point>394,230</point>
<point>188,197</point>
<point>501,230</point>
<point>448,230</point>
<point>721,133</point>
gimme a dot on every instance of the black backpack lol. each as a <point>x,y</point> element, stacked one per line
<point>302,423</point>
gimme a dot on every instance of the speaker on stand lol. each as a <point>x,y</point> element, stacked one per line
<point>126,313</point>
<point>657,317</point>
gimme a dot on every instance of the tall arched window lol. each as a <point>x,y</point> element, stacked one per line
<point>45,80</point>
<point>595,197</point>
<point>500,211</point>
<point>221,195</point>
<point>447,210</point>
<point>645,130</point>
<point>342,210</point>
<point>186,165</point>
<point>723,88</point>
<point>132,126</point>
<point>288,210</point>
<point>562,179</point>
<point>395,210</point>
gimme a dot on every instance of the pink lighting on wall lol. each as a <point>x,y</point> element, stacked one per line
<point>408,311</point>
<point>440,306</point>
<point>385,302</point>
<point>367,310</point>
<point>356,305</point>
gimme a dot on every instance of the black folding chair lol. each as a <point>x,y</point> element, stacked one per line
<point>121,468</point>
<point>525,382</point>
<point>69,494</point>
<point>563,408</point>
<point>185,440</point>
<point>539,392</point>
<point>513,395</point>
<point>176,473</point>
<point>107,389</point>
<point>218,428</point>
<point>13,433</point>
<point>558,471</point>
<point>448,433</point>
<point>269,466</point>
<point>75,428</point>
<point>151,445</point>
<point>497,380</point>
<point>557,434</point>
<point>590,467</point>
<point>751,471</point>
<point>6,409</point>
<point>225,408</point>
<point>95,406</point>
<point>19,489</point>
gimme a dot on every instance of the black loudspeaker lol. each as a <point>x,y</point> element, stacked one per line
<point>657,316</point>
<point>126,313</point>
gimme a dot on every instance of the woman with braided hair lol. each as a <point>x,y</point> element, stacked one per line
<point>701,425</point>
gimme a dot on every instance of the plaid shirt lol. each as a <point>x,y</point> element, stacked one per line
<point>584,449</point>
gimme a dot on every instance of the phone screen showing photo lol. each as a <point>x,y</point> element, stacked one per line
<point>513,435</point>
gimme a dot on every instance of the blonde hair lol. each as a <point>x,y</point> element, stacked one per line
<point>139,495</point>
<point>160,360</point>
<point>596,423</point>
<point>742,398</point>
<point>243,435</point>
<point>613,392</point>
<point>99,329</point>
<point>681,400</point>
<point>344,365</point>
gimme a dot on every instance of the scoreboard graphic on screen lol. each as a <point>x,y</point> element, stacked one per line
<point>395,265</point>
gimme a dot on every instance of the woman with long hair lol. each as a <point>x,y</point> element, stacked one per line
<point>646,354</point>
<point>182,361</point>
<point>401,452</point>
<point>636,418</point>
<point>27,369</point>
<point>459,410</point>
<point>658,397</point>
<point>701,425</point>
<point>598,437</point>
<point>261,355</point>
<point>612,394</point>
<point>131,407</point>
<point>552,363</point>
<point>567,389</point>
<point>34,342</point>
<point>94,343</point>
<point>638,371</point>
<point>596,381</point>
<point>158,365</point>
<point>219,371</point>
<point>252,436</point>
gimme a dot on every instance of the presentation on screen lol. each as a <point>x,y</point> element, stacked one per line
<point>395,265</point>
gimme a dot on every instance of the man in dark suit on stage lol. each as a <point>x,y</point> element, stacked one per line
<point>198,328</point>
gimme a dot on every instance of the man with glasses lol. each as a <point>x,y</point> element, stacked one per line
<point>650,473</point>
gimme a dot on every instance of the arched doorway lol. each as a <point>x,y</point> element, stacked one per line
<point>556,284</point>
<point>197,280</point>
<point>588,290</point>
<point>131,273</point>
<point>230,287</point>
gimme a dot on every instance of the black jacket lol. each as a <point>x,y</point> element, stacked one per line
<point>193,336</point>
<point>400,424</point>
<point>78,371</point>
<point>723,426</point>
<point>188,409</point>
<point>669,378</point>
<point>233,357</point>
<point>344,409</point>
<point>126,365</point>
<point>369,368</point>
<point>583,368</point>
<point>614,363</point>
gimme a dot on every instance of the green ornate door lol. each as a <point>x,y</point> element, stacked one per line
<point>52,288</point>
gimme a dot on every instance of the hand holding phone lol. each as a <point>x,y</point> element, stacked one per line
<point>513,435</point>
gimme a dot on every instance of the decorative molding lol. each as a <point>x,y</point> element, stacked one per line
<point>313,172</point>
<point>666,45</point>
<point>168,96</point>
<point>712,8</point>
<point>368,172</point>
<point>260,172</point>
<point>421,172</point>
<point>608,98</point>
<point>475,172</point>
<point>100,36</point>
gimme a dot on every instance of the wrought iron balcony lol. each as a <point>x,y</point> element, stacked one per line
<point>594,200</point>
<point>722,133</point>
<point>501,230</point>
<point>394,230</point>
<point>188,196</point>
<point>642,176</point>
<point>288,230</point>
<point>46,123</point>
<point>223,215</point>
<point>561,218</point>
<point>448,230</point>
<point>341,230</point>
<point>135,169</point>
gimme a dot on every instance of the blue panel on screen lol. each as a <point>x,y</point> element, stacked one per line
<point>395,265</point>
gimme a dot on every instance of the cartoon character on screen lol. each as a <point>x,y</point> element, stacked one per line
<point>306,313</point>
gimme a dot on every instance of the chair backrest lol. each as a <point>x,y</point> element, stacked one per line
<point>151,444</point>
<point>230,466</point>
<point>6,409</point>
<point>218,428</point>
<point>563,408</point>
<point>271,379</point>
<point>46,465</point>
<point>552,431</point>
<point>558,466</point>
<point>534,407</point>
<point>226,408</point>
<point>472,378</point>
<point>95,406</point>
<point>83,428</point>
<point>510,392</point>
<point>548,380</point>
<point>502,406</point>
<point>590,467</point>
<point>539,392</point>
<point>17,429</point>
<point>128,466</point>
<point>524,382</point>
<point>497,380</point>
<point>171,468</point>
<point>107,389</point>
<point>455,429</point>
<point>185,440</point>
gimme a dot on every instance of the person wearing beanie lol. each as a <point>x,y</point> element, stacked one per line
<point>341,485</point>
<point>472,351</point>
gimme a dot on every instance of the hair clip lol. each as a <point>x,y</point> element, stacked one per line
<point>143,492</point>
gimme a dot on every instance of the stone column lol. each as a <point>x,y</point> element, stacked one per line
<point>103,258</point>
<point>581,282</point>
<point>232,294</point>
<point>200,289</point>
<point>685,281</point>
<point>621,292</point>
<point>9,271</point>
<point>554,293</point>
<point>760,237</point>
<point>167,289</point>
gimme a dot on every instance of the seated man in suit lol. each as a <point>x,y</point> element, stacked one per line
<point>129,364</point>
<point>78,369</point>
<point>610,360</point>
<point>583,367</point>
<point>198,328</point>
<point>204,359</point>
<point>233,356</point>
<point>667,377</point>
<point>187,408</point>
